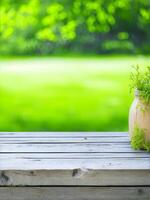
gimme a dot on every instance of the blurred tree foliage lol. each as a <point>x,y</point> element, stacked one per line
<point>60,26</point>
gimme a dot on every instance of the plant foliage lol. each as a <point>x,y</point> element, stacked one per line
<point>138,140</point>
<point>140,80</point>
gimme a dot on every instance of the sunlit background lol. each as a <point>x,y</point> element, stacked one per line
<point>65,64</point>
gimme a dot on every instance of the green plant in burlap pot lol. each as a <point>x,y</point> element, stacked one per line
<point>139,116</point>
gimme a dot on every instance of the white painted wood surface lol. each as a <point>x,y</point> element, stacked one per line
<point>75,193</point>
<point>72,166</point>
<point>87,159</point>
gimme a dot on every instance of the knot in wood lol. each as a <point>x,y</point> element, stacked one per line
<point>79,173</point>
<point>3,178</point>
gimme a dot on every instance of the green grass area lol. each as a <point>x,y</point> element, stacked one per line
<point>66,94</point>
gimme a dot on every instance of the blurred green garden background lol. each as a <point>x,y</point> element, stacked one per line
<point>65,64</point>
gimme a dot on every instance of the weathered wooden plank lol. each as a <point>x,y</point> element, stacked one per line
<point>62,134</point>
<point>75,193</point>
<point>67,164</point>
<point>76,177</point>
<point>67,159</point>
<point>64,140</point>
<point>61,155</point>
<point>68,147</point>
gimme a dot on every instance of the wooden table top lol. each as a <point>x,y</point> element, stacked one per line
<point>85,158</point>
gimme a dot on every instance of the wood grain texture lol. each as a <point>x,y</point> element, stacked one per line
<point>76,177</point>
<point>47,140</point>
<point>70,164</point>
<point>86,158</point>
<point>75,193</point>
<point>62,134</point>
<point>67,148</point>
